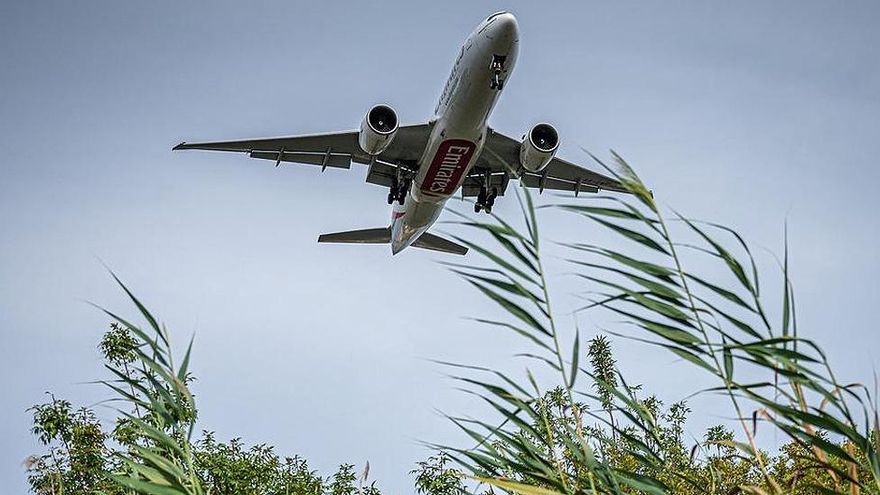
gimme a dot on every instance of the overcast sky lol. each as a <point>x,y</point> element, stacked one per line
<point>746,113</point>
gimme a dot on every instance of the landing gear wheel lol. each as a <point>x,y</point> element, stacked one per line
<point>490,200</point>
<point>402,192</point>
<point>484,200</point>
<point>497,82</point>
<point>394,191</point>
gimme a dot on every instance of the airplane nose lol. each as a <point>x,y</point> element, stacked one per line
<point>505,26</point>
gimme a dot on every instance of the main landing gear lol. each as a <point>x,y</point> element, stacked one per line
<point>485,200</point>
<point>398,192</point>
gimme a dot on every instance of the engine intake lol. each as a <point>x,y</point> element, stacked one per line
<point>538,147</point>
<point>377,129</point>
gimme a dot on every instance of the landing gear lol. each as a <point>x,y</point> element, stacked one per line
<point>401,196</point>
<point>485,200</point>
<point>497,82</point>
<point>398,192</point>
<point>497,67</point>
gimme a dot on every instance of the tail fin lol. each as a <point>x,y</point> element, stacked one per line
<point>437,243</point>
<point>365,236</point>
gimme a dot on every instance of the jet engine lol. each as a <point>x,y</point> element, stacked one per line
<point>377,129</point>
<point>538,147</point>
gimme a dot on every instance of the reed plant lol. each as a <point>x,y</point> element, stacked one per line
<point>593,432</point>
<point>586,431</point>
<point>151,448</point>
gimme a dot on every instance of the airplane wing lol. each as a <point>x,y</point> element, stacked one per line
<point>335,150</point>
<point>500,157</point>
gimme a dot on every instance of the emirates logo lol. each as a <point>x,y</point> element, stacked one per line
<point>448,166</point>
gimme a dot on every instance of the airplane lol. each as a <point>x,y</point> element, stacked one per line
<point>424,165</point>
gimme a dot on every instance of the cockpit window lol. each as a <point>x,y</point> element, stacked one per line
<point>490,19</point>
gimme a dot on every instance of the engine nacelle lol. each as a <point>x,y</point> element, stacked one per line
<point>377,129</point>
<point>538,147</point>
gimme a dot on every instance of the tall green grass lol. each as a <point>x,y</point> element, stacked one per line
<point>599,434</point>
<point>151,448</point>
<point>161,461</point>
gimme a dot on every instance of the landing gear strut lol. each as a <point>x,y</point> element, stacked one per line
<point>497,67</point>
<point>486,197</point>
<point>485,200</point>
<point>398,192</point>
<point>497,82</point>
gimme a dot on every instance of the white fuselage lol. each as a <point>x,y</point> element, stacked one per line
<point>460,123</point>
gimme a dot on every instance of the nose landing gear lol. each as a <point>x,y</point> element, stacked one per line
<point>497,82</point>
<point>497,67</point>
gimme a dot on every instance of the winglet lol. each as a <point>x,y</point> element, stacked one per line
<point>180,146</point>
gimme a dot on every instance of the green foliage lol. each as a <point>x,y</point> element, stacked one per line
<point>77,457</point>
<point>233,468</point>
<point>603,364</point>
<point>118,346</point>
<point>150,449</point>
<point>609,438</point>
<point>434,477</point>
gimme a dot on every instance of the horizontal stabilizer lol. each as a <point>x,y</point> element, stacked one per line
<point>365,236</point>
<point>437,243</point>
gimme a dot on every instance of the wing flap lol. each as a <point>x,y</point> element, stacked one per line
<point>334,160</point>
<point>541,182</point>
<point>381,173</point>
<point>561,169</point>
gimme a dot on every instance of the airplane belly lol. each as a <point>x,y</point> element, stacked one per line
<point>452,151</point>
